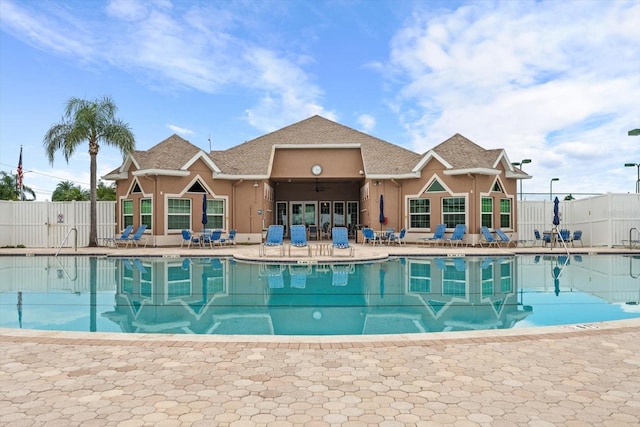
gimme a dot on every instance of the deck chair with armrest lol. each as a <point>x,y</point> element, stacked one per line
<point>458,235</point>
<point>138,236</point>
<point>340,240</point>
<point>438,236</point>
<point>299,238</point>
<point>487,237</point>
<point>577,237</point>
<point>370,236</point>
<point>275,239</point>
<point>504,239</point>
<point>399,237</point>
<point>124,237</point>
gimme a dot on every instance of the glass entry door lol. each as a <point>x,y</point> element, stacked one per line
<point>304,213</point>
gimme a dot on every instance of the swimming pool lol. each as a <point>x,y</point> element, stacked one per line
<point>400,295</point>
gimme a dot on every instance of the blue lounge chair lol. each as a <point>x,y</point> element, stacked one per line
<point>458,235</point>
<point>124,237</point>
<point>275,239</point>
<point>487,237</point>
<point>340,240</point>
<point>299,238</point>
<point>137,236</point>
<point>504,238</point>
<point>438,236</point>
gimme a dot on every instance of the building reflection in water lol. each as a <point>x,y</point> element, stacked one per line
<point>405,295</point>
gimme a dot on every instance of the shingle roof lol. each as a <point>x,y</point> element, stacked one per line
<point>379,157</point>
<point>253,157</point>
<point>462,153</point>
<point>172,153</point>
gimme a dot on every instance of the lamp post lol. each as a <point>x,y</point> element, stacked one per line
<point>637,165</point>
<point>551,187</point>
<point>520,164</point>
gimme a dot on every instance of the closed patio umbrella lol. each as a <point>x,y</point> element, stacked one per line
<point>556,212</point>
<point>204,211</point>
<point>381,219</point>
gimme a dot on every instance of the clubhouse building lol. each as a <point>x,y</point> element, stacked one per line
<point>319,173</point>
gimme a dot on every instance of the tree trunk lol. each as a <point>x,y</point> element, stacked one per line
<point>93,229</point>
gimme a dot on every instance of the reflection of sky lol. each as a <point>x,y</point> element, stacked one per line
<point>56,311</point>
<point>569,308</point>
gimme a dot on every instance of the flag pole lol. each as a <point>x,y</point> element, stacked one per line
<point>20,176</point>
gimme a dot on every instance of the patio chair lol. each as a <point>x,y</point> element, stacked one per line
<point>538,238</point>
<point>274,275</point>
<point>137,236</point>
<point>313,232</point>
<point>487,237</point>
<point>124,237</point>
<point>189,238</point>
<point>565,235</point>
<point>458,235</point>
<point>299,238</point>
<point>370,236</point>
<point>398,238</point>
<point>506,240</point>
<point>275,239</point>
<point>577,237</point>
<point>438,236</point>
<point>230,239</point>
<point>213,238</point>
<point>340,240</point>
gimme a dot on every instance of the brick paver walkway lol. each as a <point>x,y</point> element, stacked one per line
<point>559,376</point>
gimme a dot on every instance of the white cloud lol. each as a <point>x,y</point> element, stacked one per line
<point>179,130</point>
<point>366,122</point>
<point>551,81</point>
<point>203,47</point>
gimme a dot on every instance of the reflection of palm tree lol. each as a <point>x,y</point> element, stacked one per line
<point>19,307</point>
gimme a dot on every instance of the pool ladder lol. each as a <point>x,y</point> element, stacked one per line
<point>75,241</point>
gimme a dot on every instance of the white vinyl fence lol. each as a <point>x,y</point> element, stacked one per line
<point>605,220</point>
<point>46,224</point>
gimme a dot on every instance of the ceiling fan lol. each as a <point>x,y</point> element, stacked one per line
<point>318,189</point>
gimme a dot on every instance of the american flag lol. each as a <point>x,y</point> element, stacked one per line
<point>20,173</point>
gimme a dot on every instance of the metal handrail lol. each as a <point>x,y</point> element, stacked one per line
<point>75,242</point>
<point>630,239</point>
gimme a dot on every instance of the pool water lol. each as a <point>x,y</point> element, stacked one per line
<point>400,295</point>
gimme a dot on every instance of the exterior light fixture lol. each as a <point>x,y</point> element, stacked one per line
<point>637,165</point>
<point>520,164</point>
<point>551,187</point>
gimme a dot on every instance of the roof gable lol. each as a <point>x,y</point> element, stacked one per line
<point>255,156</point>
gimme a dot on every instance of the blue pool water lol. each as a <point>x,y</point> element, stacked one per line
<point>400,295</point>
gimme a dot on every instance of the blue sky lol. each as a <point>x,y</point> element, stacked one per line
<point>556,81</point>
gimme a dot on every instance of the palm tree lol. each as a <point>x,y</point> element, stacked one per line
<point>93,121</point>
<point>106,192</point>
<point>9,188</point>
<point>66,191</point>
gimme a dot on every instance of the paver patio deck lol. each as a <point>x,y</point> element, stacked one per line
<point>574,375</point>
